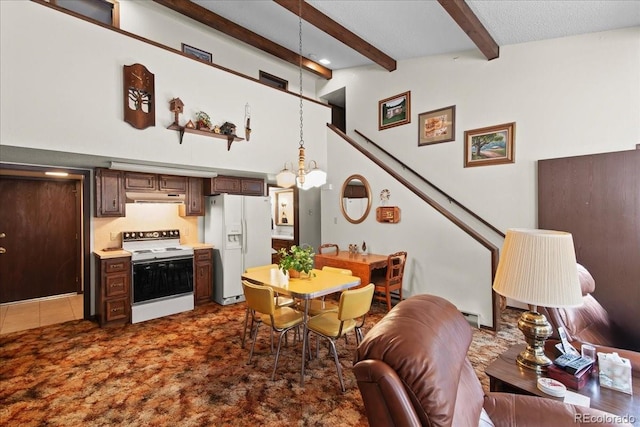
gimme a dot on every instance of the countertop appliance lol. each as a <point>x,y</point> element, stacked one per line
<point>239,227</point>
<point>162,276</point>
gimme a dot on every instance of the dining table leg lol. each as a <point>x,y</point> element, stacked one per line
<point>305,317</point>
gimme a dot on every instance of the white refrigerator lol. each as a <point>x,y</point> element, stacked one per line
<point>239,227</point>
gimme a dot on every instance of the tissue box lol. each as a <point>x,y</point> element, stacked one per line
<point>615,372</point>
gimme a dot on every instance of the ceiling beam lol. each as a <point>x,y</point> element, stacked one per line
<point>460,11</point>
<point>338,32</point>
<point>217,22</point>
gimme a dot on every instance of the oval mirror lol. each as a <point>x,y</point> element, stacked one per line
<point>355,199</point>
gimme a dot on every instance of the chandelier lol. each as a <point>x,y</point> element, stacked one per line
<point>304,178</point>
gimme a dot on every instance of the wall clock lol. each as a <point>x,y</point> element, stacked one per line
<point>139,97</point>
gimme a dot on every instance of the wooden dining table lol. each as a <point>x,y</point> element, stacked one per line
<point>318,284</point>
<point>361,265</point>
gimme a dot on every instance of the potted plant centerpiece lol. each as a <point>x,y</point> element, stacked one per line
<point>296,260</point>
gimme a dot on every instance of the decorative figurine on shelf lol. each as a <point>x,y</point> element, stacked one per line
<point>190,125</point>
<point>203,121</point>
<point>177,107</point>
<point>364,247</point>
<point>216,129</point>
<point>228,128</point>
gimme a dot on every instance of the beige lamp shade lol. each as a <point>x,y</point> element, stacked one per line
<point>538,267</point>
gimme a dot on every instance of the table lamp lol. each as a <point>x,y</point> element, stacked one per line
<point>538,267</point>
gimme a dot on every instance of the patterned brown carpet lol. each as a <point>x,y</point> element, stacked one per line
<point>187,370</point>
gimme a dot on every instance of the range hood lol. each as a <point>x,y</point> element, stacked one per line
<point>154,197</point>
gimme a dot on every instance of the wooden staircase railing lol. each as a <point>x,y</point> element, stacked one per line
<point>437,206</point>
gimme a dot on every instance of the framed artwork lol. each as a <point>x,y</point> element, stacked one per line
<point>284,207</point>
<point>492,145</point>
<point>198,53</point>
<point>394,111</point>
<point>437,126</point>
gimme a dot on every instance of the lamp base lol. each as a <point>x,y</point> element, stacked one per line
<point>536,329</point>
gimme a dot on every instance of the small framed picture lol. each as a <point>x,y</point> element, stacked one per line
<point>492,145</point>
<point>437,126</point>
<point>394,111</point>
<point>198,53</point>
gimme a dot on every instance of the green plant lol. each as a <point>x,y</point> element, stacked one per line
<point>296,258</point>
<point>203,118</point>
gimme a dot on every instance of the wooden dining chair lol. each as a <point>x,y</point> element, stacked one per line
<point>260,300</point>
<point>354,305</point>
<point>392,281</point>
<point>327,248</point>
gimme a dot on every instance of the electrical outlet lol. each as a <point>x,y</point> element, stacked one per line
<point>186,231</point>
<point>335,220</point>
<point>113,236</point>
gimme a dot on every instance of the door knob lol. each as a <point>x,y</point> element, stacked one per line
<point>2,250</point>
<point>2,235</point>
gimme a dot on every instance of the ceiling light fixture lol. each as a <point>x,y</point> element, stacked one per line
<point>324,61</point>
<point>62,174</point>
<point>305,178</point>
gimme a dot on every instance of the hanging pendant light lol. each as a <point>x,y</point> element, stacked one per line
<point>305,178</point>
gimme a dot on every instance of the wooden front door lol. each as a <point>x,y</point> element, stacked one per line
<point>40,220</point>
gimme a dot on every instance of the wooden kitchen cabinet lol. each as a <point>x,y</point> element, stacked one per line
<point>194,200</point>
<point>203,274</point>
<point>138,181</point>
<point>234,185</point>
<point>278,244</point>
<point>113,295</point>
<point>172,183</point>
<point>109,194</point>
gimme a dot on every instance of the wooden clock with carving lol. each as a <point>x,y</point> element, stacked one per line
<point>139,97</point>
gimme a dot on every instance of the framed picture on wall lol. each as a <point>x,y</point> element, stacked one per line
<point>437,126</point>
<point>198,53</point>
<point>394,111</point>
<point>492,145</point>
<point>284,207</point>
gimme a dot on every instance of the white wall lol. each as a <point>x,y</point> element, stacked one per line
<point>569,96</point>
<point>61,85</point>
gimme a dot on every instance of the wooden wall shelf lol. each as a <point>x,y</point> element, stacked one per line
<point>230,138</point>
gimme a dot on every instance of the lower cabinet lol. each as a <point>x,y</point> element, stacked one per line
<point>113,282</point>
<point>203,275</point>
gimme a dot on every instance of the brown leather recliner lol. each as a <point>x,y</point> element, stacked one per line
<point>412,369</point>
<point>590,323</point>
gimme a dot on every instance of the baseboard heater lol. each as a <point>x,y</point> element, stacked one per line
<point>472,318</point>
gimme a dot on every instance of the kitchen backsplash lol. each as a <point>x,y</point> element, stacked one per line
<point>144,217</point>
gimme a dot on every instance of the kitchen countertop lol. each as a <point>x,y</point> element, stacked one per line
<point>112,253</point>
<point>281,237</point>
<point>197,246</point>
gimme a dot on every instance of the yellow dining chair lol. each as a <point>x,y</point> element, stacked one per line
<point>354,305</point>
<point>280,301</point>
<point>280,319</point>
<point>392,281</point>
<point>323,305</point>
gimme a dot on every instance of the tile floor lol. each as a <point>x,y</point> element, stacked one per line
<point>34,313</point>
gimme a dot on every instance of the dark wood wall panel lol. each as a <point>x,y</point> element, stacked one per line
<point>597,199</point>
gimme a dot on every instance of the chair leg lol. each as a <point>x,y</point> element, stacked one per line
<point>253,344</point>
<point>246,321</point>
<point>275,364</point>
<point>388,301</point>
<point>338,368</point>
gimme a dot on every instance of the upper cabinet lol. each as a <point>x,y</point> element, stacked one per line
<point>234,185</point>
<point>194,200</point>
<point>110,198</point>
<point>136,181</point>
<point>112,185</point>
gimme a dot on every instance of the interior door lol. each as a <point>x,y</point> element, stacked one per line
<point>40,222</point>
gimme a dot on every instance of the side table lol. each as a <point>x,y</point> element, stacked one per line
<point>506,376</point>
